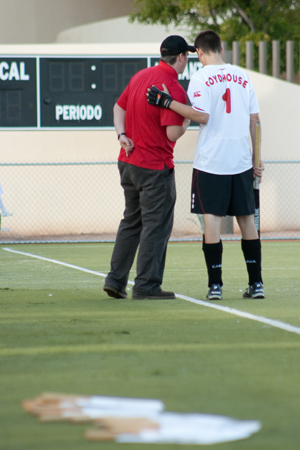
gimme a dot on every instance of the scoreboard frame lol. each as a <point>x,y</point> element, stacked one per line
<point>68,92</point>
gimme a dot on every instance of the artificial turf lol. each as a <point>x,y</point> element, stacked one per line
<point>59,332</point>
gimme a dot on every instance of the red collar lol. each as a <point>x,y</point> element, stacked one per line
<point>168,69</point>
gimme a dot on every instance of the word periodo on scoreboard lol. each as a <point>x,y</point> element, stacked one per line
<point>68,92</point>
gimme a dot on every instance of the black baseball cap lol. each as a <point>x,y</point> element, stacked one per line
<point>174,45</point>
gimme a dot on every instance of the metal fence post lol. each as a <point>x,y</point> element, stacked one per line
<point>299,65</point>
<point>234,57</point>
<point>249,55</point>
<point>263,57</point>
<point>227,56</point>
<point>276,59</point>
<point>224,45</point>
<point>290,61</point>
<point>236,54</point>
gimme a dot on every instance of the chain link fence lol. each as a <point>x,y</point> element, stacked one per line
<point>83,202</point>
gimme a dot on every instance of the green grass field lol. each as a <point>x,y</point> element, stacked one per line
<point>59,332</point>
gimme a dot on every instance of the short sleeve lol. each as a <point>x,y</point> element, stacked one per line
<point>122,100</point>
<point>254,106</point>
<point>199,95</point>
<point>171,118</point>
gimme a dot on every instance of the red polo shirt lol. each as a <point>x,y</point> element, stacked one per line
<point>146,124</point>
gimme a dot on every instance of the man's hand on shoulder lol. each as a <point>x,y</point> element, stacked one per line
<point>159,98</point>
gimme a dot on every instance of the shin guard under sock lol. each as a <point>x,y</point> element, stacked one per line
<point>252,255</point>
<point>213,259</point>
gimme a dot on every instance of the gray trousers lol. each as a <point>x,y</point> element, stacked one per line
<point>148,220</point>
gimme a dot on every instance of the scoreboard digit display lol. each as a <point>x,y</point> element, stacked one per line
<point>18,95</point>
<point>81,92</point>
<point>68,92</point>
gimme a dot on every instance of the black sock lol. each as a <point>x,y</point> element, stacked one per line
<point>213,259</point>
<point>252,254</point>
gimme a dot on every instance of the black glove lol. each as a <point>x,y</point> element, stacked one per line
<point>159,98</point>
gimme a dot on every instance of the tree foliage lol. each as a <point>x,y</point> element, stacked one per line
<point>233,19</point>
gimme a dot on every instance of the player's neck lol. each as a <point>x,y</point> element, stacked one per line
<point>213,59</point>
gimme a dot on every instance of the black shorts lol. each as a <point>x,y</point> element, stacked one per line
<point>222,195</point>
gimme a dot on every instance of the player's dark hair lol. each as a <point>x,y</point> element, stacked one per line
<point>208,41</point>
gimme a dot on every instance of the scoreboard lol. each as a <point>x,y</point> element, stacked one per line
<point>68,92</point>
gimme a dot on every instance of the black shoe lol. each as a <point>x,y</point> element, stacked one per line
<point>114,292</point>
<point>254,291</point>
<point>160,295</point>
<point>215,292</point>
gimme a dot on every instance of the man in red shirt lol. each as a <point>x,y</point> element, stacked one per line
<point>147,136</point>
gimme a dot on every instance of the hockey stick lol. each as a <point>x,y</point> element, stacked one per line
<point>256,179</point>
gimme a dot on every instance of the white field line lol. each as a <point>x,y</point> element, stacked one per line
<point>234,269</point>
<point>71,266</point>
<point>226,309</point>
<point>246,315</point>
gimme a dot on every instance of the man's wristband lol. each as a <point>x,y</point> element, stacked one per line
<point>119,135</point>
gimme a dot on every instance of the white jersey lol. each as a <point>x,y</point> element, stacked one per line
<point>226,93</point>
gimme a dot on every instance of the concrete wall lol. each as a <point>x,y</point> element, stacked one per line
<point>40,21</point>
<point>280,117</point>
<point>119,30</point>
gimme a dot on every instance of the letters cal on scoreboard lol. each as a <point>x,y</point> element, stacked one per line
<point>42,92</point>
<point>18,93</point>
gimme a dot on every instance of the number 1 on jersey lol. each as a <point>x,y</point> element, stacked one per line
<point>227,98</point>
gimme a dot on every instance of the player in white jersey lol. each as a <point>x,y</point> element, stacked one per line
<point>225,92</point>
<point>223,164</point>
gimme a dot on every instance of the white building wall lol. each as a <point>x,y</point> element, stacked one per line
<point>119,30</point>
<point>40,21</point>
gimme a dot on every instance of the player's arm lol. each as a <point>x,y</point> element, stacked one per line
<point>258,171</point>
<point>164,100</point>
<point>189,112</point>
<point>119,123</point>
<point>174,132</point>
